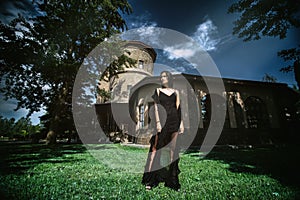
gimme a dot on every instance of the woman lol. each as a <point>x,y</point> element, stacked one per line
<point>168,125</point>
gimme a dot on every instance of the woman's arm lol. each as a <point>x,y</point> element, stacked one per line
<point>157,120</point>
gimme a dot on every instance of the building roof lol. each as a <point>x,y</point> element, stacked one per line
<point>226,81</point>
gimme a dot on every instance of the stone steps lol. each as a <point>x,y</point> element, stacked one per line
<point>143,138</point>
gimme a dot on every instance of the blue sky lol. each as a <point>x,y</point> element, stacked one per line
<point>209,21</point>
<point>206,22</point>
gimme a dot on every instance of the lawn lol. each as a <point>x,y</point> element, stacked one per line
<point>114,172</point>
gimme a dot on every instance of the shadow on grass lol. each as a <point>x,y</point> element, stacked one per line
<point>16,158</point>
<point>280,163</point>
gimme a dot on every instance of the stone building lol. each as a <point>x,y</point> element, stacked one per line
<point>119,87</point>
<point>255,112</point>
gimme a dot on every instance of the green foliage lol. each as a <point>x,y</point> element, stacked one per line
<point>6,126</point>
<point>21,129</point>
<point>106,95</point>
<point>265,18</point>
<point>290,54</point>
<point>271,18</point>
<point>40,56</point>
<point>71,172</point>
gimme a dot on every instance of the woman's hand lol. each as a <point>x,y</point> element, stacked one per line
<point>180,131</point>
<point>181,127</point>
<point>158,127</point>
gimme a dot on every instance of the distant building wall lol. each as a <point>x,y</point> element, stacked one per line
<point>254,113</point>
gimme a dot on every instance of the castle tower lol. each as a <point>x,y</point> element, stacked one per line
<point>119,86</point>
<point>119,89</point>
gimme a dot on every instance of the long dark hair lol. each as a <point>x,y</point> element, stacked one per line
<point>170,78</point>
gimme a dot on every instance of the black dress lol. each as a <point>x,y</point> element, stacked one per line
<point>155,170</point>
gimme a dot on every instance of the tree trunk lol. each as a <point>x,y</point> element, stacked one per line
<point>52,133</point>
<point>59,110</point>
<point>51,137</point>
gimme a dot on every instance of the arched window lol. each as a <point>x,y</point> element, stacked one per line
<point>141,64</point>
<point>206,106</point>
<point>142,116</point>
<point>256,111</point>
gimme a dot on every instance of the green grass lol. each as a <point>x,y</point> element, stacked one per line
<point>114,172</point>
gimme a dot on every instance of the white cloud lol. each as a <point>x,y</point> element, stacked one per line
<point>144,29</point>
<point>190,51</point>
<point>140,21</point>
<point>7,110</point>
<point>9,9</point>
<point>177,53</point>
<point>206,34</point>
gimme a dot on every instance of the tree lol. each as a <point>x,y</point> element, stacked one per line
<point>269,78</point>
<point>6,126</point>
<point>40,56</point>
<point>271,18</point>
<point>292,54</point>
<point>21,129</point>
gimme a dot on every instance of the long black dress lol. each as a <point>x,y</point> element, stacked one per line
<point>155,170</point>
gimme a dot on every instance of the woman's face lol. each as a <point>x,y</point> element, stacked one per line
<point>164,79</point>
